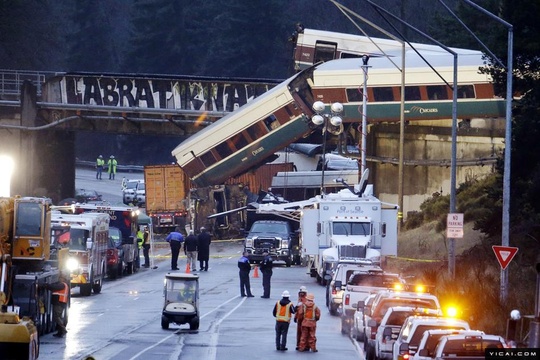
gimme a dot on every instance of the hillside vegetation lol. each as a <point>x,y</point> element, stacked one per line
<point>475,289</point>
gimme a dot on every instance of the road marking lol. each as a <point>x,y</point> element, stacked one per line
<point>213,342</point>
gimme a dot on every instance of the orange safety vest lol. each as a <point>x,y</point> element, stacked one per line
<point>309,313</point>
<point>283,313</point>
<point>62,294</point>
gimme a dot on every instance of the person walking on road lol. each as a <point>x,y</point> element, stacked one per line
<point>112,164</point>
<point>283,310</point>
<point>146,247</point>
<point>190,249</point>
<point>266,270</point>
<point>204,240</point>
<point>175,240</point>
<point>60,298</point>
<point>100,163</point>
<point>245,268</point>
<point>309,313</point>
<point>301,301</point>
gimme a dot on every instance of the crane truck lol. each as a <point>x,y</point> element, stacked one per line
<point>25,266</point>
<point>350,225</point>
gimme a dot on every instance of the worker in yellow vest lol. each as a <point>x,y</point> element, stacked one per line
<point>111,167</point>
<point>283,311</point>
<point>100,163</point>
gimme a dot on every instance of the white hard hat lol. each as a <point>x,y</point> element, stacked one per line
<point>303,289</point>
<point>285,294</point>
<point>112,156</point>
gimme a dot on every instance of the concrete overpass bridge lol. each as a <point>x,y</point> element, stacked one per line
<point>40,112</point>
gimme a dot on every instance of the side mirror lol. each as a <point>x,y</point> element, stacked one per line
<point>387,332</point>
<point>423,352</point>
<point>338,284</point>
<point>361,305</point>
<point>404,347</point>
<point>89,244</point>
<point>327,277</point>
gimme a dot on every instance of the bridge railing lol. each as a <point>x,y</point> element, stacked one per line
<point>12,80</point>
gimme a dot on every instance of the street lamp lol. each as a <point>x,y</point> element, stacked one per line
<point>332,122</point>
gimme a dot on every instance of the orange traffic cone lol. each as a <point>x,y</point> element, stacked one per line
<point>188,268</point>
<point>256,272</point>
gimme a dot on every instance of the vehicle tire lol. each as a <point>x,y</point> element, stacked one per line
<point>86,289</point>
<point>345,329</point>
<point>97,286</point>
<point>164,323</point>
<point>194,324</point>
<point>333,309</point>
<point>359,336</point>
<point>288,262</point>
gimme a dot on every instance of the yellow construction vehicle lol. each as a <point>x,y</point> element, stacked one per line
<point>25,266</point>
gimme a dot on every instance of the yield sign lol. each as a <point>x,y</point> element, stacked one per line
<point>504,254</point>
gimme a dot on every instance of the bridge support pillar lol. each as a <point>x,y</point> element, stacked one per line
<point>45,164</point>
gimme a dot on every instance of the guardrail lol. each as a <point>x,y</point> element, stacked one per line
<point>122,168</point>
<point>12,80</point>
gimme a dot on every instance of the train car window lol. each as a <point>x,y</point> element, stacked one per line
<point>436,92</point>
<point>383,94</point>
<point>256,130</point>
<point>224,149</point>
<point>412,93</point>
<point>354,95</point>
<point>271,122</point>
<point>324,51</point>
<point>208,158</point>
<point>465,92</point>
<point>239,141</point>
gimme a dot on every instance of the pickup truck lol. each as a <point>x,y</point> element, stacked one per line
<point>342,271</point>
<point>382,302</point>
<point>413,328</point>
<point>431,338</point>
<point>359,286</point>
<point>391,324</point>
<point>469,347</point>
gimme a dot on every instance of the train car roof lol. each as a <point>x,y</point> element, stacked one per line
<point>383,71</point>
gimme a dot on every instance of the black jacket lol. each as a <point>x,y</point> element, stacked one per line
<point>267,264</point>
<point>191,243</point>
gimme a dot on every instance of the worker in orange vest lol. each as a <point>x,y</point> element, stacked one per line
<point>302,292</point>
<point>309,313</point>
<point>283,311</point>
<point>60,299</point>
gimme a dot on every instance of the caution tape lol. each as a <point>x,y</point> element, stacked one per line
<point>414,260</point>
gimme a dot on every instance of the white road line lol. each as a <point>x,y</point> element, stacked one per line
<point>213,342</point>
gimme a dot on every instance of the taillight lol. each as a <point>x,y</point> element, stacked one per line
<point>347,299</point>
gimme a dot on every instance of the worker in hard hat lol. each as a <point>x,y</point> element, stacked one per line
<point>283,311</point>
<point>309,313</point>
<point>302,292</point>
<point>100,163</point>
<point>111,167</point>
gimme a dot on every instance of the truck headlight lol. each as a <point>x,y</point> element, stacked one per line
<point>72,264</point>
<point>284,244</point>
<point>249,243</point>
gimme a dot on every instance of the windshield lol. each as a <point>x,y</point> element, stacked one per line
<point>115,236</point>
<point>181,291</point>
<point>351,228</point>
<point>131,185</point>
<point>78,239</point>
<point>29,216</point>
<point>269,228</point>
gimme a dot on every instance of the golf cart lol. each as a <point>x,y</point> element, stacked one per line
<point>181,305</point>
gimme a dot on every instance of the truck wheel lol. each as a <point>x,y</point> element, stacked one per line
<point>194,324</point>
<point>288,262</point>
<point>164,323</point>
<point>86,289</point>
<point>97,287</point>
<point>333,309</point>
<point>345,329</point>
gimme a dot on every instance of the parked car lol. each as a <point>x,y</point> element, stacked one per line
<point>115,268</point>
<point>129,191</point>
<point>85,195</point>
<point>358,328</point>
<point>140,194</point>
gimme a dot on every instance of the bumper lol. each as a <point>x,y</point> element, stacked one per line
<point>179,318</point>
